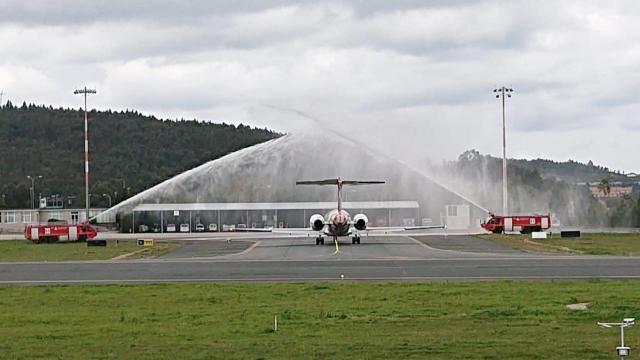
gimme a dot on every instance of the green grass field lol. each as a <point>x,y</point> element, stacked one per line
<point>23,250</point>
<point>479,320</point>
<point>592,244</point>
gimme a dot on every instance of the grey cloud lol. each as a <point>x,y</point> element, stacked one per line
<point>65,12</point>
<point>417,72</point>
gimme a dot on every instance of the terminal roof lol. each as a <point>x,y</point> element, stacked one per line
<point>369,205</point>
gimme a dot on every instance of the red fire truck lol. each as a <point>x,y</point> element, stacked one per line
<point>59,232</point>
<point>524,223</point>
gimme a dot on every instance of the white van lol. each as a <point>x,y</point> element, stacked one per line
<point>171,228</point>
<point>184,227</point>
<point>213,227</point>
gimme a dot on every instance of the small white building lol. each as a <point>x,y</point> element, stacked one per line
<point>457,217</point>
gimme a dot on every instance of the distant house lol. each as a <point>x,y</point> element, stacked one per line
<point>616,191</point>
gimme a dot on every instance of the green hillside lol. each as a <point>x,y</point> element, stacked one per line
<point>129,152</point>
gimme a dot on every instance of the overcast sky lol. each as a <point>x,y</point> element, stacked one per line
<point>413,78</point>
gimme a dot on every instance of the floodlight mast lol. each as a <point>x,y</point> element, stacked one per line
<point>84,92</point>
<point>502,92</point>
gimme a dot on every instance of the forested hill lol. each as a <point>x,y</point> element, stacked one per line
<point>572,172</point>
<point>129,152</point>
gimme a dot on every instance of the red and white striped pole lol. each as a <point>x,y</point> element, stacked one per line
<point>86,91</point>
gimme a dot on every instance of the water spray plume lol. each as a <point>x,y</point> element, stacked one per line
<point>374,152</point>
<point>267,172</point>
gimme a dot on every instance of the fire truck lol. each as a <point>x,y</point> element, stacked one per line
<point>54,232</point>
<point>524,223</point>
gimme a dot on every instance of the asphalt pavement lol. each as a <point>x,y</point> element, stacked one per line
<point>299,259</point>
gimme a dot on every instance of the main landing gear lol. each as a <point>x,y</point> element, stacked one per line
<point>355,240</point>
<point>319,240</point>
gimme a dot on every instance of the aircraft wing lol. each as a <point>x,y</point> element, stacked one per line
<point>278,230</point>
<point>385,229</point>
<point>252,230</point>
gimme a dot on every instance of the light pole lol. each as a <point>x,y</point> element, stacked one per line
<point>501,92</point>
<point>108,197</point>
<point>622,350</point>
<point>33,188</point>
<point>86,91</point>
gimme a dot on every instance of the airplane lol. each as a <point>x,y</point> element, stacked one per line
<point>338,222</point>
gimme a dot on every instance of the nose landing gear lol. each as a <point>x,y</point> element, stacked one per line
<point>319,240</point>
<point>355,240</point>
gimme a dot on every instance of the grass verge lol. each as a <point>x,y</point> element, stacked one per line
<point>479,320</point>
<point>591,244</point>
<point>23,250</point>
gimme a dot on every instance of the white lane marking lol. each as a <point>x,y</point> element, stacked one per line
<point>280,279</point>
<point>308,259</point>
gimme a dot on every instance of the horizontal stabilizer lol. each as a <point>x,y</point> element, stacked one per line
<point>338,182</point>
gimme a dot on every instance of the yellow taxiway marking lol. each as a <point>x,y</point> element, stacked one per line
<point>335,240</point>
<point>250,248</point>
<point>422,244</point>
<point>124,256</point>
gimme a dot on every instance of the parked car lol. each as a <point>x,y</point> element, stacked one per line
<point>213,227</point>
<point>142,228</point>
<point>156,228</point>
<point>199,227</point>
<point>171,227</point>
<point>184,227</point>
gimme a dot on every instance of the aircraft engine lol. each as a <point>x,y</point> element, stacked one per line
<point>360,221</point>
<point>317,222</point>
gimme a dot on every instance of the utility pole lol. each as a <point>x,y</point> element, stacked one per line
<point>33,189</point>
<point>84,92</point>
<point>501,92</point>
<point>1,93</point>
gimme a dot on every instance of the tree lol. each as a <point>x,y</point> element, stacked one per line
<point>604,186</point>
<point>636,214</point>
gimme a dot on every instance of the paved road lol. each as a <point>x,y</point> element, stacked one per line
<point>376,259</point>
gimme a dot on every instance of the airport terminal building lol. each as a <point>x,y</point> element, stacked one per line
<point>192,217</point>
